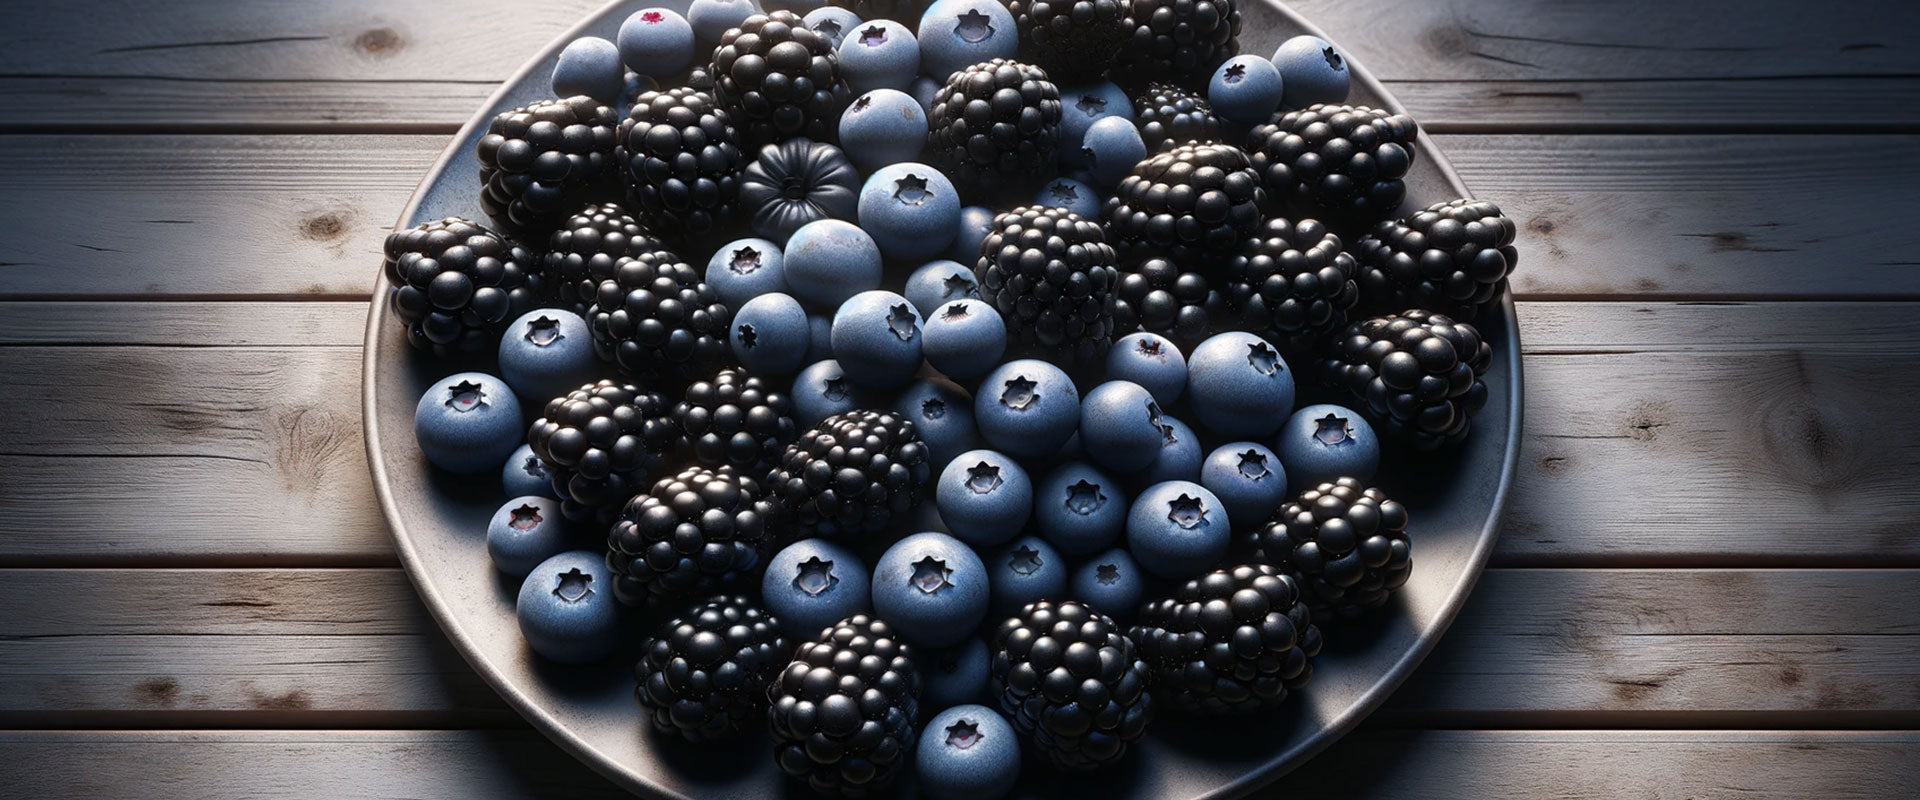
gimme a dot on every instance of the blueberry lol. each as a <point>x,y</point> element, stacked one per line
<point>879,54</point>
<point>1239,386</point>
<point>812,584</point>
<point>1027,408</point>
<point>819,338</point>
<point>745,269</point>
<point>877,336</point>
<point>566,609</point>
<point>1110,150</point>
<point>1324,442</point>
<point>468,422</point>
<point>932,588</point>
<point>1082,106</point>
<point>1245,89</point>
<point>938,282</point>
<point>591,66</point>
<point>954,675</point>
<point>1248,479</point>
<point>1179,458</point>
<point>830,260</point>
<point>975,223</point>
<point>984,497</point>
<point>711,19</point>
<point>1312,71</point>
<point>833,22</point>
<point>1120,426</point>
<point>1110,582</point>
<point>942,412</point>
<point>822,390</point>
<point>525,474</point>
<point>1178,529</point>
<point>965,339</point>
<point>967,752</point>
<point>1025,570</point>
<point>524,532</point>
<point>1151,360</point>
<point>955,34</point>
<point>882,127</point>
<point>656,42</point>
<point>1071,195</point>
<point>770,335</point>
<point>1078,509</point>
<point>923,89</point>
<point>911,210</point>
<point>547,353</point>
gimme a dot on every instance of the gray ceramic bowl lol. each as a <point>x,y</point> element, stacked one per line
<point>439,524</point>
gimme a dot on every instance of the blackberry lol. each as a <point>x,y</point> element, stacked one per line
<point>682,159</point>
<point>855,472</point>
<point>1417,374</point>
<point>1073,40</point>
<point>602,444</point>
<point>1344,165</point>
<point>456,285</point>
<point>779,79</point>
<point>1050,274</point>
<point>995,126</point>
<point>540,163</point>
<point>1071,681</point>
<point>1155,295</point>
<point>583,251</point>
<point>656,320</point>
<point>1344,543</point>
<point>796,182</point>
<point>1192,204</point>
<point>704,676</point>
<point>1452,257</point>
<point>1292,284</point>
<point>844,709</point>
<point>1181,41</point>
<point>735,420</point>
<point>693,534</point>
<point>1231,641</point>
<point>1169,115</point>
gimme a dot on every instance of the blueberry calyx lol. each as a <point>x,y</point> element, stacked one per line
<point>960,287</point>
<point>1084,498</point>
<point>814,576</point>
<point>1107,574</point>
<point>572,586</point>
<point>1333,431</point>
<point>1236,73</point>
<point>1333,59</point>
<point>873,36</point>
<point>1263,358</point>
<point>1025,561</point>
<point>524,517</point>
<point>1091,105</point>
<point>933,408</point>
<point>747,337</point>
<point>911,190</point>
<point>465,396</point>
<point>1187,512</point>
<point>973,27</point>
<point>544,331</point>
<point>1020,393</point>
<point>963,734</point>
<point>746,261</point>
<point>1253,465</point>
<point>930,575</point>
<point>836,389</point>
<point>983,478</point>
<point>900,321</point>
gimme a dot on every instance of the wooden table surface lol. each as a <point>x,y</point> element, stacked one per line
<point>1706,586</point>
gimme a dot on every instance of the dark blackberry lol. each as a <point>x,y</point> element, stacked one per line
<point>844,709</point>
<point>1155,295</point>
<point>656,320</point>
<point>779,79</point>
<point>855,472</point>
<point>1050,274</point>
<point>995,126</point>
<point>1345,544</point>
<point>1193,204</point>
<point>704,676</point>
<point>456,285</point>
<point>735,420</point>
<point>540,163</point>
<point>1452,257</point>
<point>583,251</point>
<point>603,443</point>
<point>1181,41</point>
<point>1416,373</point>
<point>694,534</point>
<point>1072,682</point>
<point>1228,642</point>
<point>1343,165</point>
<point>796,182</point>
<point>1292,284</point>
<point>1073,40</point>
<point>682,159</point>
<point>1169,115</point>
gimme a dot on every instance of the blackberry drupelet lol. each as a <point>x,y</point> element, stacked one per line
<point>583,251</point>
<point>733,419</point>
<point>1051,275</point>
<point>1292,284</point>
<point>1416,373</point>
<point>682,159</point>
<point>844,709</point>
<point>1345,544</point>
<point>1342,165</point>
<point>1155,295</point>
<point>540,163</point>
<point>657,321</point>
<point>1073,40</point>
<point>1229,642</point>
<point>693,534</point>
<point>1181,41</point>
<point>704,676</point>
<point>456,284</point>
<point>779,79</point>
<point>1193,204</point>
<point>1451,257</point>
<point>1169,115</point>
<point>1071,681</point>
<point>855,472</point>
<point>603,443</point>
<point>995,126</point>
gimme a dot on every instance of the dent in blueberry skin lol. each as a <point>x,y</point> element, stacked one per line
<point>953,676</point>
<point>525,474</point>
<point>567,610</point>
<point>1179,459</point>
<point>975,223</point>
<point>1080,108</point>
<point>823,390</point>
<point>1323,443</point>
<point>1079,509</point>
<point>813,583</point>
<point>1071,195</point>
<point>879,54</point>
<point>984,497</point>
<point>967,752</point>
<point>656,42</point>
<point>911,210</point>
<point>830,260</point>
<point>1178,529</point>
<point>1249,480</point>
<point>1120,426</point>
<point>547,353</point>
<point>1312,71</point>
<point>832,22</point>
<point>1027,408</point>
<point>955,34</point>
<point>932,588</point>
<point>881,127</point>
<point>770,335</point>
<point>965,339</point>
<point>1245,89</point>
<point>1024,571</point>
<point>877,336</point>
<point>591,66</point>
<point>1112,583</point>
<point>1238,385</point>
<point>942,413</point>
<point>524,532</point>
<point>940,281</point>
<point>746,268</point>
<point>1110,149</point>
<point>468,422</point>
<point>1151,360</point>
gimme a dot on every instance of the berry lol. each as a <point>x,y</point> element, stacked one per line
<point>843,712</point>
<point>590,66</point>
<point>1417,373</point>
<point>1170,116</point>
<point>994,125</point>
<point>683,160</point>
<point>1322,443</point>
<point>1232,641</point>
<point>830,261</point>
<point>1179,459</point>
<point>524,474</point>
<point>1082,106</point>
<point>467,423</point>
<point>1050,274</point>
<point>456,284</point>
<point>582,252</point>
<point>1027,408</point>
<point>822,390</point>
<point>1120,426</point>
<point>1346,544</point>
<point>1072,683</point>
<point>779,78</point>
<point>736,420</point>
<point>1312,71</point>
<point>968,752</point>
<point>819,338</point>
<point>877,336</point>
<point>1192,204</point>
<point>1451,257</point>
<point>796,182</point>
<point>1245,90</point>
<point>1078,509</point>
<point>746,268</point>
<point>984,497</point>
<point>712,19</point>
<point>855,472</point>
<point>964,339</point>
<point>1110,581</point>
<point>603,443</point>
<point>523,533</point>
<point>933,587</point>
<point>955,34</point>
<point>546,352</point>
<point>882,127</point>
<point>1074,40</point>
<point>1158,297</point>
<point>955,675</point>
<point>833,23</point>
<point>942,413</point>
<point>1023,571</point>
<point>1110,149</point>
<point>813,583</point>
<point>565,612</point>
<point>693,534</point>
<point>656,320</point>
<point>975,223</point>
<point>1248,479</point>
<point>939,282</point>
<point>704,675</point>
<point>770,335</point>
<point>1154,362</point>
<point>656,42</point>
<point>1180,41</point>
<point>1068,194</point>
<point>1339,164</point>
<point>881,54</point>
<point>903,10</point>
<point>922,91</point>
<point>541,162</point>
<point>911,210</point>
<point>1237,384</point>
<point>1178,529</point>
<point>1292,284</point>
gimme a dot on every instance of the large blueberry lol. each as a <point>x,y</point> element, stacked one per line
<point>832,22</point>
<point>1082,106</point>
<point>1110,582</point>
<point>1321,443</point>
<point>1179,459</point>
<point>547,353</point>
<point>942,413</point>
<point>1024,571</point>
<point>984,497</point>
<point>830,260</point>
<point>1110,150</point>
<point>591,66</point>
<point>711,19</point>
<point>1246,90</point>
<point>656,42</point>
<point>940,281</point>
<point>1312,71</point>
<point>524,532</point>
<point>1078,508</point>
<point>567,611</point>
<point>1151,360</point>
<point>1120,426</point>
<point>746,268</point>
<point>1239,386</point>
<point>882,127</point>
<point>964,339</point>
<point>1027,408</point>
<point>813,583</point>
<point>1178,529</point>
<point>954,675</point>
<point>911,210</point>
<point>468,422</point>
<point>770,335</point>
<point>822,390</point>
<point>975,223</point>
<point>1248,479</point>
<point>877,338</point>
<point>525,474</point>
<point>1069,194</point>
<point>967,752</point>
<point>932,588</point>
<point>879,54</point>
<point>955,34</point>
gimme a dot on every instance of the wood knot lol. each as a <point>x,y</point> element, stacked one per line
<point>1646,420</point>
<point>379,42</point>
<point>158,691</point>
<point>323,227</point>
<point>1540,225</point>
<point>1553,465</point>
